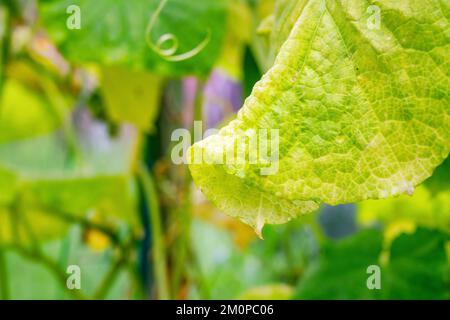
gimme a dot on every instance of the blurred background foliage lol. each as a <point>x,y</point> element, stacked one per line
<point>86,178</point>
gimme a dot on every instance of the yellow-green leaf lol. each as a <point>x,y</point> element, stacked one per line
<point>131,96</point>
<point>363,112</point>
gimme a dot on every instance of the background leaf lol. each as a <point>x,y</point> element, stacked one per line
<point>117,34</point>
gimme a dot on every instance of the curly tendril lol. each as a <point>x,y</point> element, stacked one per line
<point>167,45</point>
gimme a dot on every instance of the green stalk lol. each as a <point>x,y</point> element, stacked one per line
<point>59,109</point>
<point>109,279</point>
<point>158,246</point>
<point>184,214</point>
<point>4,285</point>
<point>181,247</point>
<point>50,265</point>
<point>4,32</point>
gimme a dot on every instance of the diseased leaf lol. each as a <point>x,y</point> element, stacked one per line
<point>362,112</point>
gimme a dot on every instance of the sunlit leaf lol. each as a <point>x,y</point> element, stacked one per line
<point>363,113</point>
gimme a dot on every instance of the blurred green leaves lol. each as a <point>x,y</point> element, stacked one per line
<point>340,272</point>
<point>413,266</point>
<point>53,163</point>
<point>24,113</point>
<point>417,268</point>
<point>423,208</point>
<point>62,170</point>
<point>194,26</point>
<point>222,271</point>
<point>440,180</point>
<point>32,277</point>
<point>122,33</point>
<point>111,33</point>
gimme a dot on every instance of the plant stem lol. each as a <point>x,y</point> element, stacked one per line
<point>158,250</point>
<point>4,285</point>
<point>85,223</point>
<point>50,265</point>
<point>64,253</point>
<point>108,281</point>
<point>4,43</point>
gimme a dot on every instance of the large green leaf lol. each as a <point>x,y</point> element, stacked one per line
<point>362,113</point>
<point>278,26</point>
<point>141,33</point>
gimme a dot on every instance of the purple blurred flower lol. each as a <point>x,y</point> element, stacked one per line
<point>190,87</point>
<point>222,98</point>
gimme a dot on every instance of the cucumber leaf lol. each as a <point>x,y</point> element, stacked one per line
<point>362,112</point>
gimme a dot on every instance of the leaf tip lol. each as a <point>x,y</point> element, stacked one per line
<point>260,222</point>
